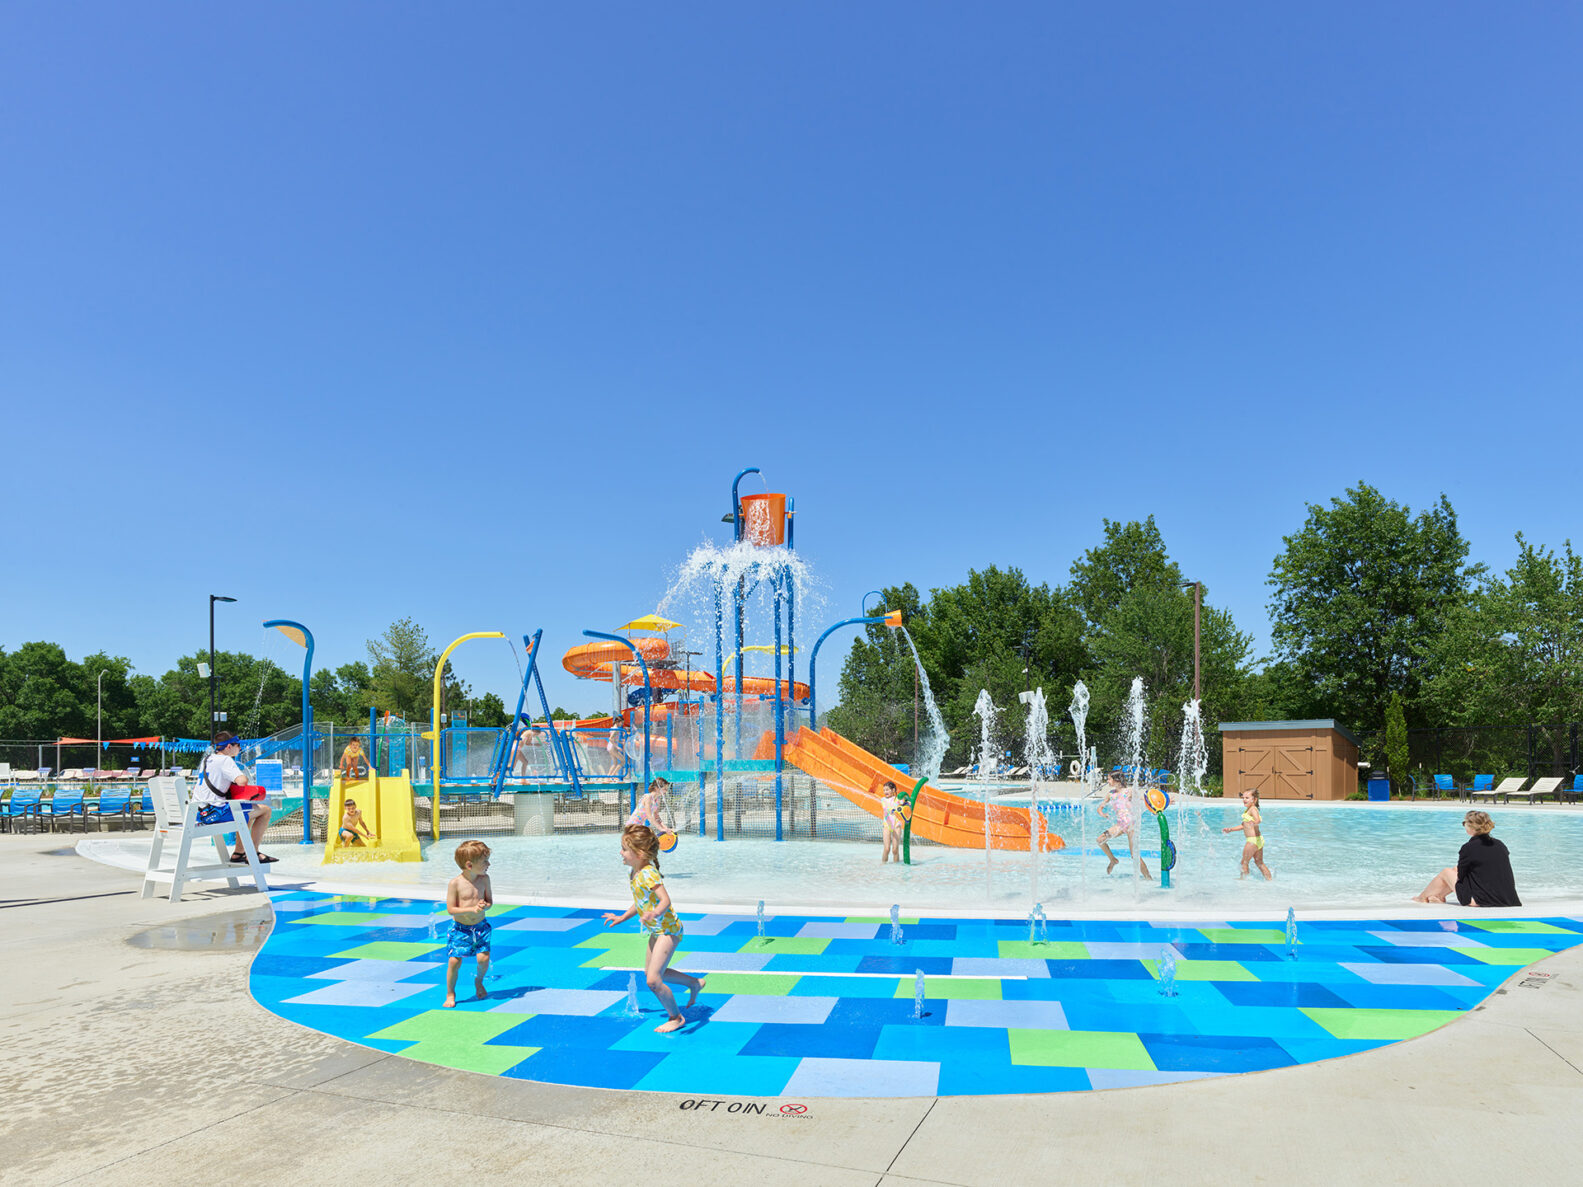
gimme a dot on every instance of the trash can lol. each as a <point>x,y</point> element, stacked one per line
<point>1379,787</point>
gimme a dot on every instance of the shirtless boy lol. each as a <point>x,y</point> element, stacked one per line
<point>466,899</point>
<point>354,830</point>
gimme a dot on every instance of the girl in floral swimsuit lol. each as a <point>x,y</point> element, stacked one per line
<point>1121,804</point>
<point>651,903</point>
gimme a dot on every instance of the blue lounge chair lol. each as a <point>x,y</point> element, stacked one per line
<point>1445,786</point>
<point>64,804</point>
<point>1481,783</point>
<point>113,805</point>
<point>1576,789</point>
<point>20,807</point>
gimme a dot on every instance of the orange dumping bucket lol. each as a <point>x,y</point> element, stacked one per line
<point>763,519</point>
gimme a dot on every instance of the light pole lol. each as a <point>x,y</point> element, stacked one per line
<point>99,716</point>
<point>213,598</point>
<point>1198,595</point>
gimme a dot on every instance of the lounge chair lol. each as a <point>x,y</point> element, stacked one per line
<point>20,807</point>
<point>1576,789</point>
<point>1504,789</point>
<point>5,773</point>
<point>1445,786</point>
<point>112,805</point>
<point>1480,783</point>
<point>1550,785</point>
<point>63,804</point>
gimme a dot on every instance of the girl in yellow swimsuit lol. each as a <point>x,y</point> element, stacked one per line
<point>651,903</point>
<point>1253,846</point>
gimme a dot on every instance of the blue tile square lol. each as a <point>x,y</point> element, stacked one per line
<point>569,1031</point>
<point>1214,1053</point>
<point>905,965</point>
<point>824,1042</point>
<point>702,1073</point>
<point>1295,994</point>
<point>862,1013</point>
<point>613,1069</point>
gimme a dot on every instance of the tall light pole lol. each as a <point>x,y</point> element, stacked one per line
<point>213,598</point>
<point>1198,596</point>
<point>99,716</point>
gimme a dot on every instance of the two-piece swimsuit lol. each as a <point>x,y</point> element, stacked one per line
<point>1247,818</point>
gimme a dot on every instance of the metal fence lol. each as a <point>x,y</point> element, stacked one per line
<point>1533,751</point>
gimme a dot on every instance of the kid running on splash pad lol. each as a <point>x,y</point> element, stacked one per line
<point>651,903</point>
<point>1121,804</point>
<point>466,899</point>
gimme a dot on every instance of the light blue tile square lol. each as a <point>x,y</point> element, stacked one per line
<point>863,1077</point>
<point>1408,974</point>
<point>999,966</point>
<point>358,993</point>
<point>837,930</point>
<point>376,970</point>
<point>578,1003</point>
<point>713,925</point>
<point>1426,939</point>
<point>706,1073</point>
<point>1019,1015</point>
<point>534,923</point>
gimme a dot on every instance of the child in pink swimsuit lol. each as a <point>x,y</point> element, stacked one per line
<point>1121,804</point>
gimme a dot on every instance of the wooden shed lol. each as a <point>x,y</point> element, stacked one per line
<point>1289,760</point>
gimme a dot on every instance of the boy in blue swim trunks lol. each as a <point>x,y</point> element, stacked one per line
<point>466,899</point>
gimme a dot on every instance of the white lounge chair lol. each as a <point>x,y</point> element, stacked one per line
<point>1549,785</point>
<point>176,819</point>
<point>1505,789</point>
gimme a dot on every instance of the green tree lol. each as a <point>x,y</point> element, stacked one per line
<point>401,667</point>
<point>1396,749</point>
<point>42,694</point>
<point>1132,557</point>
<point>1513,654</point>
<point>257,698</point>
<point>1361,593</point>
<point>342,695</point>
<point>489,712</point>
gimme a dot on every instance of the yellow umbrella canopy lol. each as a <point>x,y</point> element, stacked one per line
<point>650,622</point>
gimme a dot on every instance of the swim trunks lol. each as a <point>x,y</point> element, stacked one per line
<point>215,813</point>
<point>468,939</point>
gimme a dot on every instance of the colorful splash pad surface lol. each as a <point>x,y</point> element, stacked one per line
<point>823,1006</point>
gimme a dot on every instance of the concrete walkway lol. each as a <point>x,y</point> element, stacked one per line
<point>133,1054</point>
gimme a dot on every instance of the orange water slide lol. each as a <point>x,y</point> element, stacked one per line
<point>947,819</point>
<point>592,661</point>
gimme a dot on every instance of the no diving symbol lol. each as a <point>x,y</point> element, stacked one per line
<point>794,1110</point>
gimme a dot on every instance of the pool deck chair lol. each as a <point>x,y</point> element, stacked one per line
<point>176,819</point>
<point>1576,789</point>
<point>1480,783</point>
<point>1445,786</point>
<point>1551,785</point>
<point>1504,789</point>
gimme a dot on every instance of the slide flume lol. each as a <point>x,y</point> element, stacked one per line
<point>947,819</point>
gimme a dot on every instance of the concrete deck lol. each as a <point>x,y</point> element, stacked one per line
<point>133,1054</point>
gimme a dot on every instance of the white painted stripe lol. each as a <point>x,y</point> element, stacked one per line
<point>622,968</point>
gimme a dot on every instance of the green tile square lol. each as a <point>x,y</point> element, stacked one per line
<point>1204,970</point>
<point>787,945</point>
<point>1079,1048</point>
<point>612,939</point>
<point>1382,1025</point>
<point>451,1027</point>
<point>391,950</point>
<point>753,984</point>
<point>1512,956</point>
<point>952,988</point>
<point>343,918</point>
<point>1520,925</point>
<point>470,1057</point>
<point>1243,935</point>
<point>624,952</point>
<point>1055,950</point>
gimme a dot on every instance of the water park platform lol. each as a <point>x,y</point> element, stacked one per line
<point>136,1014</point>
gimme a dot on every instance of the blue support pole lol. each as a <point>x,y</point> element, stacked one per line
<point>307,726</point>
<point>648,688</point>
<point>530,645</point>
<point>813,660</point>
<point>791,608</point>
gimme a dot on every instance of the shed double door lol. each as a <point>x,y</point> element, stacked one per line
<point>1276,770</point>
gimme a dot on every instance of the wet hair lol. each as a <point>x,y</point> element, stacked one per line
<point>640,839</point>
<point>1117,777</point>
<point>470,851</point>
<point>660,784</point>
<point>889,786</point>
<point>1479,822</point>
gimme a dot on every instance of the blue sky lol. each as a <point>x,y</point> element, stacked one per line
<point>470,313</point>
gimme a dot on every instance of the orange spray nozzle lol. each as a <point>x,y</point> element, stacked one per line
<point>893,619</point>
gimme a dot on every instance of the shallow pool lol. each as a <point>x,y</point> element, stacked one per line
<point>1323,856</point>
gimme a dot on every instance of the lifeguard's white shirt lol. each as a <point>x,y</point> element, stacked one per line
<point>222,771</point>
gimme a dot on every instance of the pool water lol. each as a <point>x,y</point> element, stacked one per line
<point>1323,857</point>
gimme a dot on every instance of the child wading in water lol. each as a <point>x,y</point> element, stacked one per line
<point>651,903</point>
<point>890,813</point>
<point>1253,847</point>
<point>466,899</point>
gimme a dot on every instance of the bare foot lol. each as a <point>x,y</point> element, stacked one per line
<point>697,989</point>
<point>478,986</point>
<point>450,1001</point>
<point>1114,862</point>
<point>669,1025</point>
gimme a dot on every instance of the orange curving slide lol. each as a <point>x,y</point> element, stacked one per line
<point>592,661</point>
<point>947,819</point>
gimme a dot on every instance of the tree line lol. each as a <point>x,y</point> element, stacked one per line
<point>1377,617</point>
<point>44,694</point>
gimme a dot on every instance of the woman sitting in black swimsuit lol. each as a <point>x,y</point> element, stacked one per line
<point>1482,876</point>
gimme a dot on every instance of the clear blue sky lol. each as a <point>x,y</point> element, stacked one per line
<point>476,309</point>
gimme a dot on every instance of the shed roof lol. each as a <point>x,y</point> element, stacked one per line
<point>1315,723</point>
